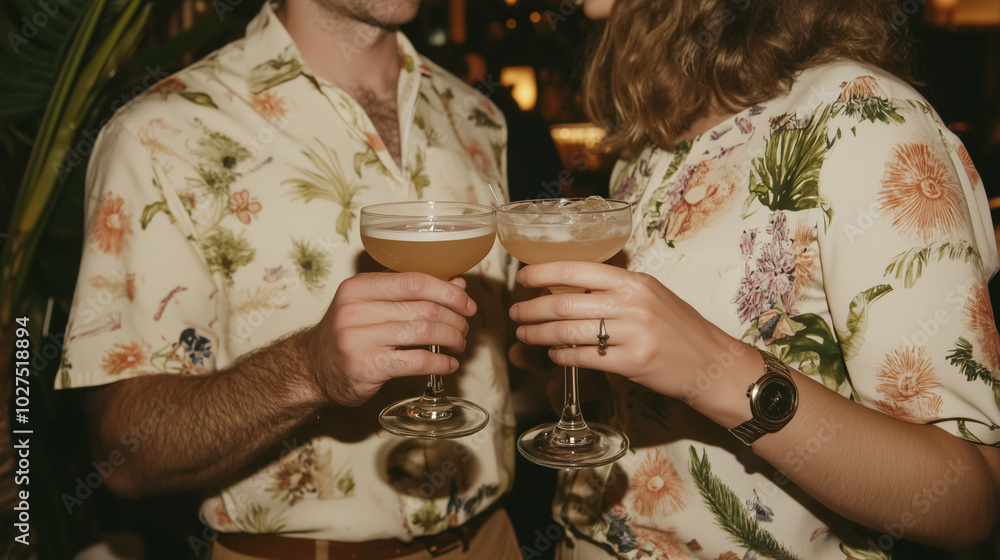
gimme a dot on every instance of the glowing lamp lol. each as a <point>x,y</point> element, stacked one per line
<point>522,80</point>
<point>964,13</point>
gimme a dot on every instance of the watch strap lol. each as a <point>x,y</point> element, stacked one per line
<point>773,365</point>
<point>748,432</point>
<point>751,430</point>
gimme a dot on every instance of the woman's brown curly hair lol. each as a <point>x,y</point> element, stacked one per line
<point>662,64</point>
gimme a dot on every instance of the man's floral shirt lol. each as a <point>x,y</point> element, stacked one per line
<point>222,214</point>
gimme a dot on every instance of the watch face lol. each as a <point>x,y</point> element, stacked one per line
<point>776,399</point>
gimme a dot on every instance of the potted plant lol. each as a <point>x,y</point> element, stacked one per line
<point>67,65</point>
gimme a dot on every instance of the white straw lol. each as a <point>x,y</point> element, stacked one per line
<point>494,193</point>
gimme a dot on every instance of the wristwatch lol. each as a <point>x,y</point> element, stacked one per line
<point>773,400</point>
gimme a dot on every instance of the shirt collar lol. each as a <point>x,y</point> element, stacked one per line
<point>272,57</point>
<point>409,59</point>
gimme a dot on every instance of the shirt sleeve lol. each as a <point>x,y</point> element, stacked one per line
<point>906,258</point>
<point>145,301</point>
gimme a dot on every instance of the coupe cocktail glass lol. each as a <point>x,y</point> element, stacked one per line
<point>541,231</point>
<point>443,239</point>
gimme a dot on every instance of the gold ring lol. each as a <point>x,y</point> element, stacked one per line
<point>602,339</point>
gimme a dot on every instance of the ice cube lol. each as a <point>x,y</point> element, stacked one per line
<point>591,204</point>
<point>561,211</point>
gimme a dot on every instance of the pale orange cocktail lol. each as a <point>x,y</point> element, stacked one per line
<point>579,244</point>
<point>542,231</point>
<point>442,249</point>
<point>443,239</point>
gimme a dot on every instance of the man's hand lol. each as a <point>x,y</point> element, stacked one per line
<point>223,422</point>
<point>378,328</point>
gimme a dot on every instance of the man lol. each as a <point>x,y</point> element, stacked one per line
<point>222,222</point>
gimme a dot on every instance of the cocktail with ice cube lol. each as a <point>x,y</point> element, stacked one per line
<point>442,239</point>
<point>590,230</point>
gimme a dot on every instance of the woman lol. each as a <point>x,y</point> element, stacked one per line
<point>793,198</point>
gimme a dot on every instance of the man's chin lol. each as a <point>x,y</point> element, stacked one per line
<point>390,14</point>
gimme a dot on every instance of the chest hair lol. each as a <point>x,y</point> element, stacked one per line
<point>384,114</point>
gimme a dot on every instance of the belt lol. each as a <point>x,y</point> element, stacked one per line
<point>278,547</point>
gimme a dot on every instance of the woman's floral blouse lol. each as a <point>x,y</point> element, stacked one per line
<point>222,214</point>
<point>844,229</point>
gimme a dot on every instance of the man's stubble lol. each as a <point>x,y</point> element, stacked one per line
<point>383,13</point>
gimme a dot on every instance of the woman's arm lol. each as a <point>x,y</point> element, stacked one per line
<point>909,480</point>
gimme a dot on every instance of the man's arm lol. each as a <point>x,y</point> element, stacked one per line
<point>207,430</point>
<point>203,429</point>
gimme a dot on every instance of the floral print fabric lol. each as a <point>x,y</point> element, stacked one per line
<point>222,214</point>
<point>844,229</point>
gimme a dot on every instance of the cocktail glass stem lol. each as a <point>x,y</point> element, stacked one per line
<point>433,404</point>
<point>434,392</point>
<point>433,415</point>
<point>571,443</point>
<point>572,429</point>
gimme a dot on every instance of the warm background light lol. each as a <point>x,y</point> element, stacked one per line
<point>525,88</point>
<point>456,21</point>
<point>972,13</point>
<point>574,140</point>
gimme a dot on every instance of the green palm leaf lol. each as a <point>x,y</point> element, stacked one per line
<point>961,356</point>
<point>967,434</point>
<point>852,338</point>
<point>787,176</point>
<point>872,108</point>
<point>654,213</point>
<point>498,149</point>
<point>84,71</point>
<point>729,513</point>
<point>367,158</point>
<point>260,521</point>
<point>57,86</point>
<point>681,152</point>
<point>428,517</point>
<point>327,181</point>
<point>30,69</point>
<point>909,265</point>
<point>418,174</point>
<point>814,348</point>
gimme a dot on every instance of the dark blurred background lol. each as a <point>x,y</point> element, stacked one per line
<point>525,54</point>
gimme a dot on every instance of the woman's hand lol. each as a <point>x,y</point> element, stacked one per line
<point>656,339</point>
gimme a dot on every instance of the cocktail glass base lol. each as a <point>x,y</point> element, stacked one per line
<point>549,446</point>
<point>416,418</point>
